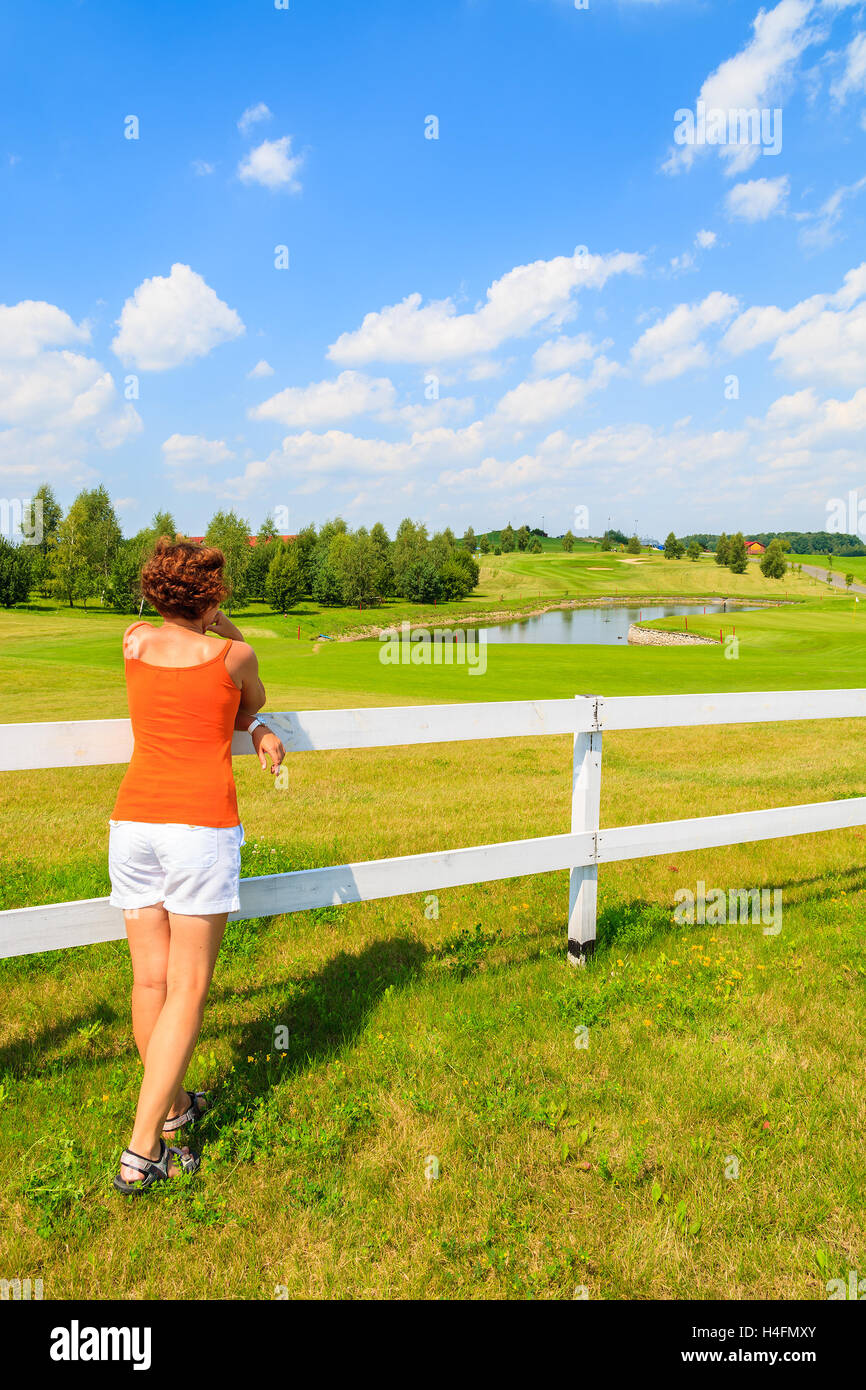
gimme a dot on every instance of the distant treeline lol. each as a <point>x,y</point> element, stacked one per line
<point>84,554</point>
<point>799,542</point>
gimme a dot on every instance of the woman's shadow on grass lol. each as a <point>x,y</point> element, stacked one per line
<point>306,1020</point>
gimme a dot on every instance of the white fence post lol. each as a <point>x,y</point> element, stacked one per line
<point>585,807</point>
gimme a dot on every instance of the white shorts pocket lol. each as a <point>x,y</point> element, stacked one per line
<point>189,846</point>
<point>121,845</point>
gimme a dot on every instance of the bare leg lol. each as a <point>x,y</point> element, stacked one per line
<point>193,946</point>
<point>149,934</point>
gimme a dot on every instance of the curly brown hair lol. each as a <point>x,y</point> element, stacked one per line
<point>182,579</point>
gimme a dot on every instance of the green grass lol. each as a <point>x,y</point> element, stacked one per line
<point>414,1036</point>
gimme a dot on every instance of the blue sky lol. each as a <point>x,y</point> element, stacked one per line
<point>552,306</point>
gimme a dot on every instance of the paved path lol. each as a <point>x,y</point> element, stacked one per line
<point>838,579</point>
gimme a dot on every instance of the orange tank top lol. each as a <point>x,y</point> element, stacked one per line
<point>182,721</point>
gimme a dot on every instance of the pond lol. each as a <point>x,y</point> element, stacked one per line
<point>604,626</point>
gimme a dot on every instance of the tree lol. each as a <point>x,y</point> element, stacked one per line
<point>122,592</point>
<point>673,548</point>
<point>39,527</point>
<point>694,550</point>
<point>410,545</point>
<point>455,580</point>
<point>722,549</point>
<point>384,579</point>
<point>421,583</point>
<point>15,568</point>
<point>506,540</point>
<point>535,546</point>
<point>606,543</point>
<point>306,542</point>
<point>773,562</point>
<point>163,524</point>
<point>354,561</point>
<point>484,545</point>
<point>469,540</point>
<point>522,538</point>
<point>738,560</point>
<point>231,534</point>
<point>633,546</point>
<point>67,556</point>
<point>568,542</point>
<point>261,556</point>
<point>284,581</point>
<point>849,580</point>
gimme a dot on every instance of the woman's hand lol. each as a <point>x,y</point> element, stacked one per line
<point>267,746</point>
<point>224,627</point>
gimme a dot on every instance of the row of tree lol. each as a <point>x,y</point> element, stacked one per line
<point>798,542</point>
<point>84,555</point>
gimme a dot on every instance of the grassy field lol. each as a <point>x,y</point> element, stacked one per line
<point>446,1031</point>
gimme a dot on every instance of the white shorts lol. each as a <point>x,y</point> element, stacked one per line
<point>192,869</point>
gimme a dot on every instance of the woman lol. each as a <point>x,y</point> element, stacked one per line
<point>175,839</point>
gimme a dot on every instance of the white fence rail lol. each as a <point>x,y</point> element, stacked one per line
<point>91,742</point>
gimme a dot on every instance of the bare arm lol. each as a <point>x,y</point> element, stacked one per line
<point>268,746</point>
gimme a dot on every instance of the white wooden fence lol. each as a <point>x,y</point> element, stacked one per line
<point>587,717</point>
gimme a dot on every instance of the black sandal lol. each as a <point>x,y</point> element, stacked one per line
<point>154,1170</point>
<point>190,1115</point>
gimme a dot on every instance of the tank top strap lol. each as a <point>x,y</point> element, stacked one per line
<point>226,648</point>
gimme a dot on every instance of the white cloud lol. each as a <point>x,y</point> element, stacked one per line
<point>485,370</point>
<point>759,199</point>
<point>526,296</point>
<point>823,336</point>
<point>202,168</point>
<point>820,230</point>
<point>252,116</point>
<point>831,346</point>
<point>420,417</point>
<point>533,402</point>
<point>29,326</point>
<point>788,410</point>
<point>853,79</point>
<point>272,164</point>
<point>193,450</point>
<point>673,345</point>
<point>56,405</point>
<point>261,368</point>
<point>172,319</point>
<point>705,239</point>
<point>754,78</point>
<point>324,402</point>
<point>558,354</point>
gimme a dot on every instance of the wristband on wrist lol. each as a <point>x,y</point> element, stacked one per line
<point>256,724</point>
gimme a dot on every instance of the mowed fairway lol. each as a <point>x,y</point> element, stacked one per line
<point>417,1030</point>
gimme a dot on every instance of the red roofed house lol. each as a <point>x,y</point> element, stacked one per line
<point>755,548</point>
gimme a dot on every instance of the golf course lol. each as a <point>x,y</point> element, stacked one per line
<point>400,1105</point>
